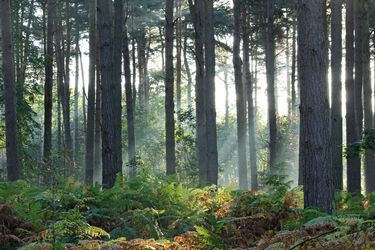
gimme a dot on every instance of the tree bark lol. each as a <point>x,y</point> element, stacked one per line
<point>314,108</point>
<point>11,140</point>
<point>270,61</point>
<point>129,107</point>
<point>367,92</point>
<point>47,149</point>
<point>169,81</point>
<point>91,98</point>
<point>117,46</point>
<point>197,14</point>
<point>336,96</point>
<point>110,167</point>
<point>241,117</point>
<point>212,155</point>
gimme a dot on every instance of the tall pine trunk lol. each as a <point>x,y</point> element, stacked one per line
<point>336,96</point>
<point>13,163</point>
<point>169,81</point>
<point>314,108</point>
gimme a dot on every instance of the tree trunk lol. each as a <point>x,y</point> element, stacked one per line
<point>110,167</point>
<point>369,154</point>
<point>76,93</point>
<point>187,68</point>
<point>314,108</point>
<point>129,107</point>
<point>169,104</point>
<point>250,102</point>
<point>178,53</point>
<point>240,104</point>
<point>270,61</point>
<point>48,83</point>
<point>197,14</point>
<point>13,163</point>
<point>91,99</point>
<point>68,136</point>
<point>336,97</point>
<point>98,128</point>
<point>212,155</point>
<point>117,46</point>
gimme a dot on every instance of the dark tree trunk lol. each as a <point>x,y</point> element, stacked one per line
<point>97,148</point>
<point>369,154</point>
<point>270,61</point>
<point>48,83</point>
<point>336,97</point>
<point>240,104</point>
<point>178,55</point>
<point>13,163</point>
<point>91,98</point>
<point>197,14</point>
<point>169,81</point>
<point>110,167</point>
<point>76,93</point>
<point>314,109</point>
<point>212,155</point>
<point>117,46</point>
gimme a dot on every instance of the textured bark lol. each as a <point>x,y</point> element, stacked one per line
<point>212,155</point>
<point>240,102</point>
<point>89,170</point>
<point>169,82</point>
<point>129,107</point>
<point>336,96</point>
<point>48,83</point>
<point>197,14</point>
<point>314,108</point>
<point>11,140</point>
<point>110,168</point>
<point>270,61</point>
<point>117,46</point>
<point>369,154</point>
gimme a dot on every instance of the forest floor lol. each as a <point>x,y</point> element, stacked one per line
<point>156,213</point>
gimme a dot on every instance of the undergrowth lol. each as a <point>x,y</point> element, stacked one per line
<point>160,213</point>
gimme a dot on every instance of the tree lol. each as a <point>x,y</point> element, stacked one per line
<point>336,97</point>
<point>212,155</point>
<point>314,107</point>
<point>47,144</point>
<point>117,46</point>
<point>240,104</point>
<point>197,14</point>
<point>270,65</point>
<point>169,81</point>
<point>369,154</point>
<point>129,105</point>
<point>110,167</point>
<point>90,132</point>
<point>13,163</point>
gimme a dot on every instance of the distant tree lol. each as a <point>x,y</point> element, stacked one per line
<point>314,107</point>
<point>336,96</point>
<point>169,89</point>
<point>13,163</point>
